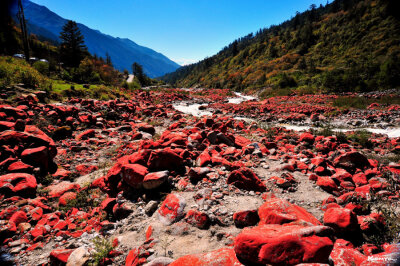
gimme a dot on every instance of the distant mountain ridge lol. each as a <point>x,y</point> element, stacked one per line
<point>123,52</point>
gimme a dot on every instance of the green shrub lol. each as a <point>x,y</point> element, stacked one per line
<point>362,137</point>
<point>14,71</point>
<point>102,248</point>
<point>42,67</point>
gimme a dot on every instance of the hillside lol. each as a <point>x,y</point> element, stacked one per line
<point>123,52</point>
<point>347,45</point>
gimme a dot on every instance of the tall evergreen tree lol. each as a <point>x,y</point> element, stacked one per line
<point>8,37</point>
<point>108,59</point>
<point>137,71</point>
<point>73,48</point>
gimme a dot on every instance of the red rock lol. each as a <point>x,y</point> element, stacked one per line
<point>55,191</point>
<point>221,257</point>
<point>326,183</point>
<point>369,224</point>
<point>121,211</point>
<point>360,179</point>
<point>147,128</point>
<point>370,249</point>
<point>198,219</point>
<point>172,209</point>
<point>61,174</point>
<point>307,137</point>
<point>245,179</point>
<point>164,160</point>
<point>280,211</point>
<point>246,218</point>
<point>140,157</point>
<point>241,141</point>
<point>66,197</point>
<point>90,133</point>
<point>36,213</point>
<point>345,254</point>
<point>32,137</point>
<point>342,175</point>
<point>60,256</point>
<point>37,157</point>
<point>6,213</point>
<point>133,174</point>
<point>149,232</point>
<point>84,169</point>
<point>203,159</point>
<point>18,217</point>
<point>155,179</point>
<point>391,256</point>
<point>133,258</point>
<point>20,167</point>
<point>18,184</point>
<point>342,220</point>
<point>198,173</point>
<point>352,160</point>
<point>313,177</point>
<point>108,204</point>
<point>287,244</point>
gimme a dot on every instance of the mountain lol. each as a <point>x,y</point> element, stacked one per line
<point>347,45</point>
<point>123,52</point>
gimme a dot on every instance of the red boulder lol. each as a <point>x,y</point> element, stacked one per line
<point>172,209</point>
<point>342,220</point>
<point>221,257</point>
<point>287,244</point>
<point>245,179</point>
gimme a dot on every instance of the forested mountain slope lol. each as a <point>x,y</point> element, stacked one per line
<point>347,45</point>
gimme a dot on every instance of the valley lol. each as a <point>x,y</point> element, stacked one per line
<point>159,183</point>
<point>281,149</point>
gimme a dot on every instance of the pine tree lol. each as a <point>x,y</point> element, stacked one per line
<point>72,49</point>
<point>137,71</point>
<point>108,59</point>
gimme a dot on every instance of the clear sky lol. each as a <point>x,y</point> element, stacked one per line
<point>184,30</point>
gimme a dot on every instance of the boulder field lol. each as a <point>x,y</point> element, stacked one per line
<point>136,182</point>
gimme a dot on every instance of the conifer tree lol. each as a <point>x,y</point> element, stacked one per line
<point>73,48</point>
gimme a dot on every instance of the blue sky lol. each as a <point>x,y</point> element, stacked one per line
<point>184,30</point>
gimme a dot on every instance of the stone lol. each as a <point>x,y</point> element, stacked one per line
<point>56,190</point>
<point>151,207</point>
<point>327,184</point>
<point>37,157</point>
<point>90,133</point>
<point>342,220</point>
<point>246,218</point>
<point>155,179</point>
<point>60,256</point>
<point>198,173</point>
<point>160,261</point>
<point>220,257</point>
<point>18,184</point>
<point>197,219</point>
<point>78,257</point>
<point>307,137</point>
<point>172,209</point>
<point>352,160</point>
<point>286,244</point>
<point>245,179</point>
<point>19,217</point>
<point>280,211</point>
<point>343,253</point>
<point>133,174</point>
<point>164,160</point>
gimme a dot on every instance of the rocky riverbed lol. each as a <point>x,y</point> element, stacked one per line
<point>198,177</point>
